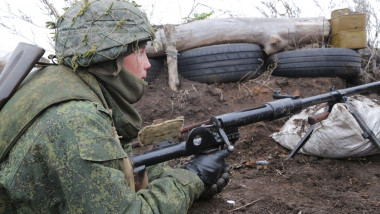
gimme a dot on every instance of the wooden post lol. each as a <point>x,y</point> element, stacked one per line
<point>171,56</point>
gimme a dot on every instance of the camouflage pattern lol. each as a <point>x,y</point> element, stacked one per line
<point>94,31</point>
<point>68,87</point>
<point>68,161</point>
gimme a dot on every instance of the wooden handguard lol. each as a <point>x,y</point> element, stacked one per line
<point>187,128</point>
<point>318,117</point>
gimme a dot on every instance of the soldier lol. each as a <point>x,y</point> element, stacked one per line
<point>65,133</point>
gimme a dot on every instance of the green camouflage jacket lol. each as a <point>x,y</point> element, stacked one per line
<point>68,161</point>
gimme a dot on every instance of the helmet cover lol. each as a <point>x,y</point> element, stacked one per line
<point>94,31</point>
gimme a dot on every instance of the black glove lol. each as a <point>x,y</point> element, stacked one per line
<point>212,170</point>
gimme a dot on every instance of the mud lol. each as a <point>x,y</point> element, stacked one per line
<point>304,184</point>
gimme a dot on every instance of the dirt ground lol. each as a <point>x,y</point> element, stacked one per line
<point>304,184</point>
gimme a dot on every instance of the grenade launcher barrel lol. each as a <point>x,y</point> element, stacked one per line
<point>208,137</point>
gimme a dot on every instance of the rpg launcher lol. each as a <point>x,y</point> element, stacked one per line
<point>222,131</point>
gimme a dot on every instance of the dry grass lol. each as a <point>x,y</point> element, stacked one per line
<point>263,80</point>
<point>370,70</point>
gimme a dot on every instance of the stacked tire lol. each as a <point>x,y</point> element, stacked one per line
<point>318,62</point>
<point>242,61</point>
<point>221,63</point>
<point>157,64</point>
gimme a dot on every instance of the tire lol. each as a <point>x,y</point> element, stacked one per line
<point>221,63</point>
<point>318,62</point>
<point>157,64</point>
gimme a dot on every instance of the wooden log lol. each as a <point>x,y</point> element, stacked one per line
<point>273,34</point>
<point>171,56</point>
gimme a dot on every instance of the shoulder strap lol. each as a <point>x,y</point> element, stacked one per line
<point>46,87</point>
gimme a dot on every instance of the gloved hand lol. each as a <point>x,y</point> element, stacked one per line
<point>212,170</point>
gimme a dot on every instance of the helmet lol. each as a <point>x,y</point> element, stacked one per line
<point>94,31</point>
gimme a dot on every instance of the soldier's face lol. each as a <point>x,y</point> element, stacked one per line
<point>137,63</point>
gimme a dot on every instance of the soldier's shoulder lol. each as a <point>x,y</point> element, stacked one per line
<point>75,109</point>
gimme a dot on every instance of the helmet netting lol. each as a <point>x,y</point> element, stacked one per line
<point>99,30</point>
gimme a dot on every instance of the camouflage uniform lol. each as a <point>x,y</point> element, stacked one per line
<point>60,153</point>
<point>68,160</point>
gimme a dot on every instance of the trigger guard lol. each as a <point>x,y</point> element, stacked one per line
<point>206,140</point>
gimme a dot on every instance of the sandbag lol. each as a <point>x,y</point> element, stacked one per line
<point>338,136</point>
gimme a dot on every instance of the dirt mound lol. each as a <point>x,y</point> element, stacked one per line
<point>304,184</point>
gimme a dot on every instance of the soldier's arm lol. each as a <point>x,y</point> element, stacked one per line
<point>155,171</point>
<point>87,160</point>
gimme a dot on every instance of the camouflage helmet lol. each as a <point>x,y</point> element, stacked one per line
<point>94,31</point>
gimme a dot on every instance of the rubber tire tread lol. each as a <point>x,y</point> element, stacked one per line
<point>318,62</point>
<point>155,69</point>
<point>221,63</point>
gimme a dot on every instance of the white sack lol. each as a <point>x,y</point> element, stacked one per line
<point>338,136</point>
